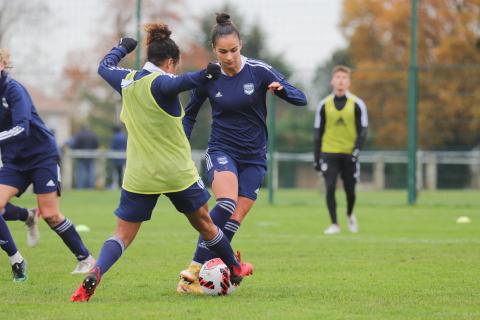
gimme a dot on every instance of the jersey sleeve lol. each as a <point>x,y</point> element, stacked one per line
<point>319,130</point>
<point>21,108</point>
<point>361,121</point>
<point>109,70</point>
<point>170,85</point>
<point>197,98</point>
<point>289,93</point>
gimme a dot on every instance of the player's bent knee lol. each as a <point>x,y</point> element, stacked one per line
<point>52,219</point>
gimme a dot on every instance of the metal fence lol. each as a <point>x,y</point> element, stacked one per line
<point>379,169</point>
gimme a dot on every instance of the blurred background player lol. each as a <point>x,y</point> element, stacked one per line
<point>159,159</point>
<point>85,139</point>
<point>236,155</point>
<point>118,143</point>
<point>341,123</point>
<point>30,155</point>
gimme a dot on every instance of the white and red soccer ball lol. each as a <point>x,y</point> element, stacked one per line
<point>214,278</point>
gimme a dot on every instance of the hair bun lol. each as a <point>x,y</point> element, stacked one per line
<point>157,32</point>
<point>223,18</point>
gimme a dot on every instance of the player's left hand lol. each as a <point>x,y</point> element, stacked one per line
<point>274,86</point>
<point>213,71</point>
<point>355,155</point>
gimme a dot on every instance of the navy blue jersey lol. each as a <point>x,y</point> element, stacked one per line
<point>239,108</point>
<point>25,141</point>
<point>165,88</point>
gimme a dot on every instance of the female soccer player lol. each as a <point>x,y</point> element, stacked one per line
<point>158,153</point>
<point>29,155</point>
<point>236,156</point>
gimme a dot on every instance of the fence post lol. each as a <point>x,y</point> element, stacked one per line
<point>419,170</point>
<point>431,163</point>
<point>475,169</point>
<point>379,173</point>
<point>67,169</point>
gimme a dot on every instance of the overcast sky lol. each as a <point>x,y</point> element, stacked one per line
<point>306,31</point>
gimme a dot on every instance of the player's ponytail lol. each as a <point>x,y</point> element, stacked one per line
<point>5,57</point>
<point>224,27</point>
<point>159,44</point>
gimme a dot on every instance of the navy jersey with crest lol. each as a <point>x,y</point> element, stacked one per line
<point>239,108</point>
<point>25,141</point>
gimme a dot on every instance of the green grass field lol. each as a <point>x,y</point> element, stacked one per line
<point>406,262</point>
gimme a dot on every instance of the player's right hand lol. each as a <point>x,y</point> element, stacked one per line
<point>317,165</point>
<point>213,71</point>
<point>128,43</point>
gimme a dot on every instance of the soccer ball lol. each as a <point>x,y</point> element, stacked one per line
<point>214,278</point>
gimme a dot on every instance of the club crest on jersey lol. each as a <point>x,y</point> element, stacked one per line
<point>4,103</point>
<point>248,88</point>
<point>222,160</point>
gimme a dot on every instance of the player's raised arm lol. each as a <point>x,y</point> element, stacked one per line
<point>108,68</point>
<point>277,84</point>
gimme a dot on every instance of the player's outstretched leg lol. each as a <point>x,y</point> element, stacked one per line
<point>65,229</point>
<point>111,251</point>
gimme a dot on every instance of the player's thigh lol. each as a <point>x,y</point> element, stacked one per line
<point>222,174</point>
<point>330,169</point>
<point>350,172</point>
<point>250,179</point>
<point>136,207</point>
<point>12,183</point>
<point>190,200</point>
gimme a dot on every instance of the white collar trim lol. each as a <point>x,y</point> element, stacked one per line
<point>243,62</point>
<point>153,68</point>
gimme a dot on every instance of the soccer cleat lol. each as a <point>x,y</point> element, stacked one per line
<point>19,271</point>
<point>191,273</point>
<point>332,229</point>
<point>87,288</point>
<point>33,233</point>
<point>237,273</point>
<point>185,286</point>
<point>85,265</point>
<point>352,223</point>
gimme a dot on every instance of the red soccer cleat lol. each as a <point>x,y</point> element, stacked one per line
<point>237,273</point>
<point>87,288</point>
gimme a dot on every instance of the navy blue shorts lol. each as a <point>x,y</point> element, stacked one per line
<point>137,207</point>
<point>250,173</point>
<point>45,179</point>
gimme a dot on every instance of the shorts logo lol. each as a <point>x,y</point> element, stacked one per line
<point>256,191</point>
<point>248,88</point>
<point>324,167</point>
<point>4,103</point>
<point>222,160</point>
<point>50,183</point>
<point>2,242</point>
<point>200,183</point>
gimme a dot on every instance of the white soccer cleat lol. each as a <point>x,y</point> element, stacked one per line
<point>33,233</point>
<point>85,265</point>
<point>332,229</point>
<point>353,224</point>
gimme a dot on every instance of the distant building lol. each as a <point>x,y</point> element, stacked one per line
<point>56,113</point>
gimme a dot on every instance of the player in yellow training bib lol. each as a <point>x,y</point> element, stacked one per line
<point>341,123</point>
<point>159,159</point>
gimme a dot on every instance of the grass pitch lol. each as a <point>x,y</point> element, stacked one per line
<point>406,262</point>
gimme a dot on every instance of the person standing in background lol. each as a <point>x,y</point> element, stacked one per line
<point>341,123</point>
<point>85,139</point>
<point>118,143</point>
